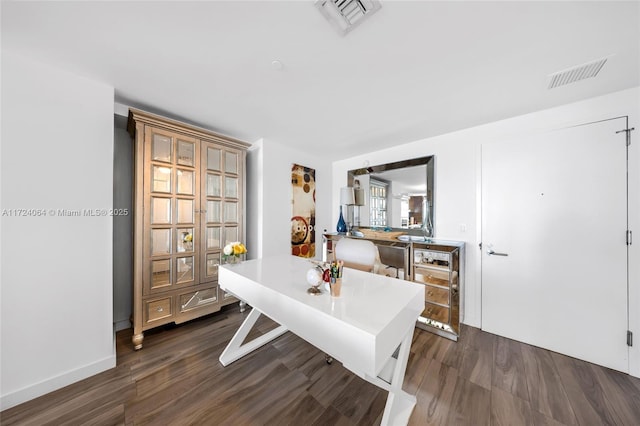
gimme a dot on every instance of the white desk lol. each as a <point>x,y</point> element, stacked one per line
<point>374,316</point>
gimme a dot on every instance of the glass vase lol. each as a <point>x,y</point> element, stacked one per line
<point>342,225</point>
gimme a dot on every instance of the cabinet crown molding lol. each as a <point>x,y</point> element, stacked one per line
<point>139,116</point>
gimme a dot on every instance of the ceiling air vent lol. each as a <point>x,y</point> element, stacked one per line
<point>578,73</point>
<point>346,14</point>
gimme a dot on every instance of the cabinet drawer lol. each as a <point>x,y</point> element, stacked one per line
<point>157,309</point>
<point>197,299</point>
<point>436,295</point>
<point>431,276</point>
<point>437,313</point>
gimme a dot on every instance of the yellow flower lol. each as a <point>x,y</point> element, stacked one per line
<point>234,249</point>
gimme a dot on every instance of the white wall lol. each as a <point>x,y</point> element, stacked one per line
<point>457,180</point>
<point>269,197</point>
<point>56,288</point>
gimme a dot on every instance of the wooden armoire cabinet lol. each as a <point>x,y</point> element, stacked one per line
<point>188,203</point>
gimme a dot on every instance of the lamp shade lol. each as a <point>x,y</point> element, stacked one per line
<point>346,196</point>
<point>359,196</point>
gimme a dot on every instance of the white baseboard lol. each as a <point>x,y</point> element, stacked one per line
<point>38,389</point>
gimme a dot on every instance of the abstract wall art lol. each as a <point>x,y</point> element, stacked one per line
<point>303,211</point>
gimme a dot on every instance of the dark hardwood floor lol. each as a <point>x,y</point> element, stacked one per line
<point>483,379</point>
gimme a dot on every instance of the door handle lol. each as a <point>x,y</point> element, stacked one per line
<point>490,252</point>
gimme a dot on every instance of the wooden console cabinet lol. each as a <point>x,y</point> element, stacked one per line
<point>188,203</point>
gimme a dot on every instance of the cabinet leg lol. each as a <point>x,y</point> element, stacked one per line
<point>137,339</point>
<point>243,306</point>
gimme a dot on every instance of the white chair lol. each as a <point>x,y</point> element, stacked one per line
<point>362,255</point>
<point>356,254</point>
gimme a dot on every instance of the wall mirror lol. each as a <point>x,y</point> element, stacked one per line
<point>395,195</point>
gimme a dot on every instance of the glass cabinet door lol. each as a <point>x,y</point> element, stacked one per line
<point>212,161</point>
<point>230,187</point>
<point>185,182</point>
<point>161,148</point>
<point>214,185</point>
<point>171,224</point>
<point>186,151</point>
<point>231,162</point>
<point>222,202</point>
<point>212,200</point>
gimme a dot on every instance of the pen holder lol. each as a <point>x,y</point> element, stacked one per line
<point>335,285</point>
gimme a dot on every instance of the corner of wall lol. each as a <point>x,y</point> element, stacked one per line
<point>254,212</point>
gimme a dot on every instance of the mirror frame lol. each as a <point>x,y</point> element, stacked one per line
<point>429,161</point>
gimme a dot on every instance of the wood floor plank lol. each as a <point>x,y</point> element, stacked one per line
<point>181,369</point>
<point>584,391</point>
<point>98,417</point>
<point>255,398</point>
<point>441,349</point>
<point>271,401</point>
<point>540,419</point>
<point>332,417</point>
<point>420,341</point>
<point>621,394</point>
<point>177,379</point>
<point>329,382</point>
<point>373,412</point>
<point>546,392</point>
<point>295,352</point>
<point>417,367</point>
<point>434,395</point>
<point>471,404</point>
<point>451,354</point>
<point>314,365</point>
<point>624,382</point>
<point>477,363</point>
<point>509,410</point>
<point>355,400</point>
<point>303,410</point>
<point>194,390</point>
<point>509,373</point>
<point>478,339</point>
<point>190,340</point>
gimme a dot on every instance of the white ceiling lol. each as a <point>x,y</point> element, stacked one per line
<point>413,70</point>
<point>410,180</point>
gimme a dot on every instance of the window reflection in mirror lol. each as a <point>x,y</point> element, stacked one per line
<point>378,202</point>
<point>396,195</point>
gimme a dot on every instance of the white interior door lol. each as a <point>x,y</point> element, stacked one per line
<point>556,204</point>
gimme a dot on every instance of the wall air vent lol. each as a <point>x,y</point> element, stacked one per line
<point>577,73</point>
<point>344,15</point>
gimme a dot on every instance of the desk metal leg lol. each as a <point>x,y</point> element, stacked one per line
<point>236,350</point>
<point>399,403</point>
